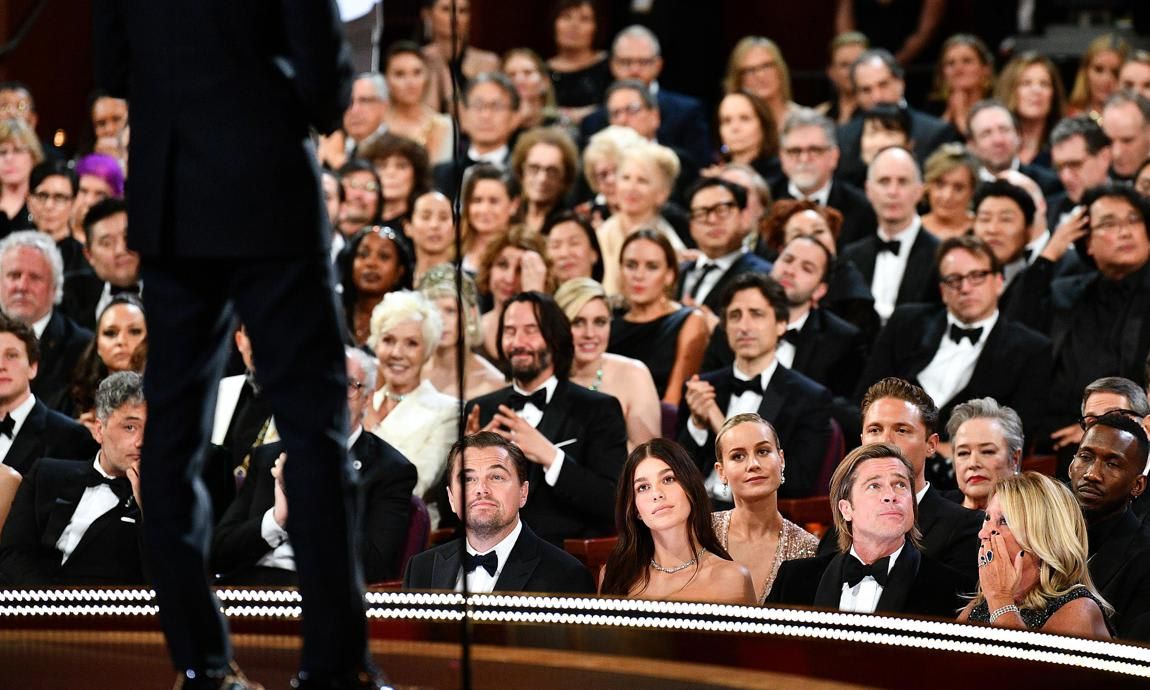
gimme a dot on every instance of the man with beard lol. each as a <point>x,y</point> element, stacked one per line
<point>574,438</point>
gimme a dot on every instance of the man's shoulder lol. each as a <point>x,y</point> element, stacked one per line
<point>61,326</point>
<point>492,399</point>
<point>1022,336</point>
<point>750,261</point>
<point>804,385</point>
<point>915,313</point>
<point>935,503</point>
<point>676,100</point>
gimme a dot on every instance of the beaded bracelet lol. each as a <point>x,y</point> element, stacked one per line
<point>998,613</point>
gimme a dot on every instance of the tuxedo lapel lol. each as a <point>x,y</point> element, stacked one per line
<point>984,369</point>
<point>807,346</point>
<point>521,563</point>
<point>24,445</point>
<point>1109,559</point>
<point>830,591</point>
<point>867,255</point>
<point>775,395</point>
<point>551,425</point>
<point>123,515</point>
<point>918,268</point>
<point>445,569</point>
<point>928,343</point>
<point>899,582</point>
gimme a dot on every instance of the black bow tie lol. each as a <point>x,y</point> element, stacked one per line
<point>854,571</point>
<point>116,290</point>
<point>518,401</point>
<point>119,485</point>
<point>957,333</point>
<point>892,246</point>
<point>488,561</point>
<point>791,336</point>
<point>739,386</point>
<point>7,425</point>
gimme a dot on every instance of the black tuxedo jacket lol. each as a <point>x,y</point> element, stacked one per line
<point>1120,568</point>
<point>683,123</point>
<point>917,584</point>
<point>532,566</point>
<point>61,346</point>
<point>47,433</point>
<point>443,174</point>
<point>108,553</point>
<point>800,411</point>
<point>949,534</point>
<point>82,291</point>
<point>1014,367</point>
<point>1045,178</point>
<point>859,220</point>
<point>919,282</point>
<point>386,480</point>
<point>582,502</point>
<point>747,262</point>
<point>926,131</point>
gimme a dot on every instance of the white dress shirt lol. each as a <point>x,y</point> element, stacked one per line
<point>785,351</point>
<point>820,195</point>
<point>95,501</point>
<point>533,415</point>
<point>479,581</point>
<point>863,597</point>
<point>953,363</point>
<point>40,324</point>
<point>497,157</point>
<point>710,278</point>
<point>889,268</point>
<point>19,414</point>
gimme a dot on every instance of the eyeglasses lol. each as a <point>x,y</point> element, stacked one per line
<point>800,151</point>
<point>756,69</point>
<point>974,279</point>
<point>47,198</point>
<point>1087,420</point>
<point>354,387</point>
<point>1113,224</point>
<point>720,211</point>
<point>362,185</point>
<point>6,151</point>
<point>532,169</point>
<point>489,106</point>
<point>15,108</point>
<point>635,62</point>
<point>625,111</point>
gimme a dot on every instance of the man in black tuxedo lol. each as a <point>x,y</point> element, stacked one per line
<point>490,104</point>
<point>720,223</point>
<point>489,475</point>
<point>575,439</point>
<point>995,142</point>
<point>1106,474</point>
<point>898,259</point>
<point>967,348</point>
<point>1004,218</point>
<point>28,429</point>
<point>878,78</point>
<point>901,413</point>
<point>216,231</point>
<point>754,317</point>
<point>809,154</point>
<point>878,566</point>
<point>1080,154</point>
<point>31,284</point>
<point>77,523</point>
<point>1126,121</point>
<point>115,267</point>
<point>636,54</point>
<point>251,546</point>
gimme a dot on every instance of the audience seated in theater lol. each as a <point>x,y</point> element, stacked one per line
<point>121,344</point>
<point>545,161</point>
<point>809,154</point>
<point>574,438</point>
<point>109,117</point>
<point>755,314</point>
<point>362,197</point>
<point>490,201</point>
<point>250,544</point>
<point>1080,155</point>
<point>951,175</point>
<point>115,269</point>
<point>362,120</point>
<point>1097,76</point>
<point>601,172</point>
<point>1126,121</point>
<point>902,414</point>
<point>965,348</point>
<point>16,101</point>
<point>22,152</point>
<point>1031,88</point>
<point>573,248</point>
<point>1135,73</point>
<point>479,375</point>
<point>408,115</point>
<point>995,141</point>
<point>988,441</point>
<point>878,566</point>
<point>377,261</point>
<point>898,260</point>
<point>963,75</point>
<point>579,70</point>
<point>404,408</point>
<point>584,302</point>
<point>488,121</point>
<point>1032,563</point>
<point>750,460</point>
<point>756,65</point>
<point>243,415</point>
<point>759,201</point>
<point>404,175</point>
<point>432,233</point>
<point>53,190</point>
<point>848,293</point>
<point>449,50</point>
<point>513,262</point>
<point>1106,475</point>
<point>748,134</point>
<point>31,287</point>
<point>77,522</point>
<point>883,125</point>
<point>667,548</point>
<point>489,481</point>
<point>100,177</point>
<point>1108,395</point>
<point>532,79</point>
<point>665,335</point>
<point>844,49</point>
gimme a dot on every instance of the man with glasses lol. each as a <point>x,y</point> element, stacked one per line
<point>809,154</point>
<point>490,104</point>
<point>1080,153</point>
<point>965,348</point>
<point>631,104</point>
<point>364,115</point>
<point>719,224</point>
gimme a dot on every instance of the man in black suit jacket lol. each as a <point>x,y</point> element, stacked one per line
<point>754,317</point>
<point>872,499</point>
<point>211,239</point>
<point>31,283</point>
<point>77,523</point>
<point>490,104</point>
<point>1107,473</point>
<point>898,260</point>
<point>995,141</point>
<point>251,546</point>
<point>719,224</point>
<point>487,490</point>
<point>1080,155</point>
<point>574,438</point>
<point>115,267</point>
<point>967,348</point>
<point>809,154</point>
<point>878,78</point>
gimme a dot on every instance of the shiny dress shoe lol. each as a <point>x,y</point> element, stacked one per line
<point>230,678</point>
<point>358,680</point>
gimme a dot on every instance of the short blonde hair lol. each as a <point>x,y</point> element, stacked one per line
<point>733,82</point>
<point>574,294</point>
<point>401,306</point>
<point>606,145</point>
<point>1080,95</point>
<point>743,418</point>
<point>950,157</point>
<point>18,131</point>
<point>664,159</point>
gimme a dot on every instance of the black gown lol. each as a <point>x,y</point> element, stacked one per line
<point>654,343</point>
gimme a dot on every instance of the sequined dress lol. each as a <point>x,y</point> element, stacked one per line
<point>1034,619</point>
<point>794,542</point>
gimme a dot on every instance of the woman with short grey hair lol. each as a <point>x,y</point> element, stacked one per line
<point>987,440</point>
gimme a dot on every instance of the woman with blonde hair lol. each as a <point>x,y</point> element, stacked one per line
<point>963,76</point>
<point>1031,88</point>
<point>601,168</point>
<point>585,303</point>
<point>951,175</point>
<point>19,152</point>
<point>1097,76</point>
<point>1032,568</point>
<point>533,82</point>
<point>757,66</point>
<point>479,375</point>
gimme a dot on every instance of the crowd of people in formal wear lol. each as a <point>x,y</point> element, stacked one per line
<point>650,334</point>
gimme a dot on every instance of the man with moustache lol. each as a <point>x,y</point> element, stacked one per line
<point>575,439</point>
<point>489,474</point>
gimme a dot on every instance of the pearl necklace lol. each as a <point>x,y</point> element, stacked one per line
<point>388,395</point>
<point>677,568</point>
